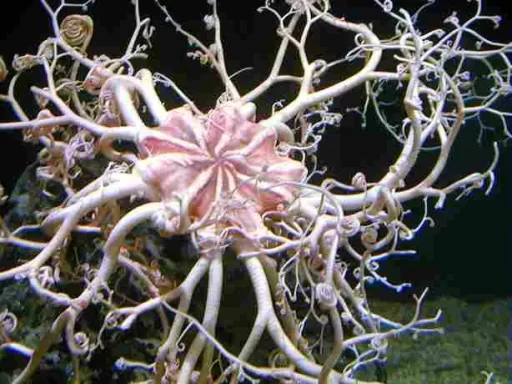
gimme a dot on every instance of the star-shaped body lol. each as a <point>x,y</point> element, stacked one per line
<point>223,165</point>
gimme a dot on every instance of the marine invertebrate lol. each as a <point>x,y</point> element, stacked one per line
<point>117,165</point>
<point>200,161</point>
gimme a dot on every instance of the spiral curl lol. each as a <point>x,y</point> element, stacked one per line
<point>24,62</point>
<point>8,321</point>
<point>3,69</point>
<point>76,30</point>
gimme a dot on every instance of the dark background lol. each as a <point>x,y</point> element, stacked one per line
<point>467,254</point>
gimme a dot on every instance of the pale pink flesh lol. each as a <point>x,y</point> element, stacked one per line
<point>223,156</point>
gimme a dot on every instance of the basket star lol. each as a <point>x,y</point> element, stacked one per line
<point>205,160</point>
